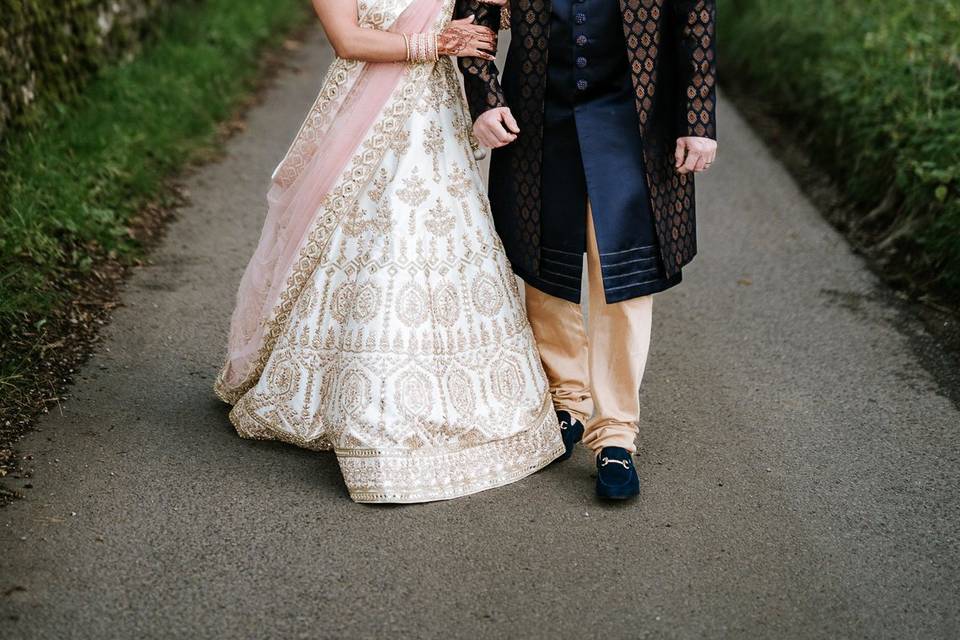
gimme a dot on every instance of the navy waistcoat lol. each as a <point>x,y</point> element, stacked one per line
<point>592,149</point>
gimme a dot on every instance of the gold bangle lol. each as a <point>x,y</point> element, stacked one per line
<point>422,47</point>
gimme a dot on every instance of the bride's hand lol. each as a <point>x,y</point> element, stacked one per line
<point>464,39</point>
<point>496,3</point>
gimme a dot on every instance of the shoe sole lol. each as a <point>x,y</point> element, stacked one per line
<point>616,495</point>
<point>612,498</point>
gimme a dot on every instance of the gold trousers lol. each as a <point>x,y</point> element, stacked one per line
<point>594,371</point>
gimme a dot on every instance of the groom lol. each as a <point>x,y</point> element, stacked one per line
<point>604,113</point>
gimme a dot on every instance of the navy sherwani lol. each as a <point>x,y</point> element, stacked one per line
<point>576,143</point>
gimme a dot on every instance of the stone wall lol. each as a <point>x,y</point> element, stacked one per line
<point>49,49</point>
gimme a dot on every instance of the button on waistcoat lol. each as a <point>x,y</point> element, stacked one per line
<point>587,50</point>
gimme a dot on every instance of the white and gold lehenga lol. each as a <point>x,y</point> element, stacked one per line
<point>390,328</point>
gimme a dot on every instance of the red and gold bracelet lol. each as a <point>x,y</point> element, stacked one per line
<point>422,47</point>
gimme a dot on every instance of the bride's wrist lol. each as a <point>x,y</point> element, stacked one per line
<point>422,47</point>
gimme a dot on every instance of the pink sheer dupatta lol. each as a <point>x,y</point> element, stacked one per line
<point>352,99</point>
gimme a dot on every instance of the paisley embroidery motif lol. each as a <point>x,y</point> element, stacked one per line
<point>446,306</point>
<point>412,305</point>
<point>487,295</point>
<point>366,304</point>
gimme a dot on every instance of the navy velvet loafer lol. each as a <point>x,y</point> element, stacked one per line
<point>617,477</point>
<point>571,431</point>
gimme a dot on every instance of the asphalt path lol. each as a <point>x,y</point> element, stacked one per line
<point>800,463</point>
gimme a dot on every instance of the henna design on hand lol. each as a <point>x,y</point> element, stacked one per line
<point>453,40</point>
<point>462,38</point>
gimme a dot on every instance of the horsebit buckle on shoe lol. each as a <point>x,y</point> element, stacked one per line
<point>604,461</point>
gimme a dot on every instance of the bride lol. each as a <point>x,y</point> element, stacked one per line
<point>378,316</point>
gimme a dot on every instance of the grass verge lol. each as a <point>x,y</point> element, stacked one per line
<point>873,92</point>
<point>81,189</point>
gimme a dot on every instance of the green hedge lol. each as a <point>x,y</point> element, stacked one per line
<point>71,182</point>
<point>875,89</point>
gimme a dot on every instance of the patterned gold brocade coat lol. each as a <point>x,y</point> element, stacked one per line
<point>670,47</point>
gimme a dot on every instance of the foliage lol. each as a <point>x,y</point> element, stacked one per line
<point>71,182</point>
<point>875,87</point>
<point>48,50</point>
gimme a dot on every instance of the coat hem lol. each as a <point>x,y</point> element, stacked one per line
<point>621,294</point>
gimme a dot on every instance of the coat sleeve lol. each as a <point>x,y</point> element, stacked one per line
<point>695,22</point>
<point>480,77</point>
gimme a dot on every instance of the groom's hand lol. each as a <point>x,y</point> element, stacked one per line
<point>496,128</point>
<point>695,154</point>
